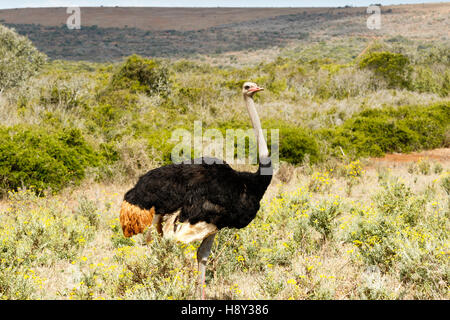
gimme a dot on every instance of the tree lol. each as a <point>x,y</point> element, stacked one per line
<point>139,74</point>
<point>392,67</point>
<point>19,59</point>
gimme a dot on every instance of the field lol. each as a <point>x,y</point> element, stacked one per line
<point>359,205</point>
<point>347,233</point>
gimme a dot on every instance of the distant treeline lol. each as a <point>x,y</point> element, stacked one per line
<point>94,43</point>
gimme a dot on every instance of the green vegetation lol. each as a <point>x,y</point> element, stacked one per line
<point>296,143</point>
<point>19,59</point>
<point>394,68</point>
<point>141,75</point>
<point>36,233</point>
<point>31,156</point>
<point>404,129</point>
<point>121,116</point>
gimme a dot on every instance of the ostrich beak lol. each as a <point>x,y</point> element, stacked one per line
<point>255,89</point>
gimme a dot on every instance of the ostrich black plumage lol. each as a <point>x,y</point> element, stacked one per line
<point>190,202</point>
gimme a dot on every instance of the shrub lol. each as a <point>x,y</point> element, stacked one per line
<point>396,228</point>
<point>437,169</point>
<point>425,79</point>
<point>147,273</point>
<point>409,128</point>
<point>392,67</point>
<point>322,217</point>
<point>31,156</point>
<point>295,144</point>
<point>445,184</point>
<point>320,181</point>
<point>372,235</point>
<point>62,93</point>
<point>424,166</point>
<point>371,136</point>
<point>353,173</point>
<point>431,123</point>
<point>193,96</point>
<point>396,199</point>
<point>37,232</point>
<point>88,209</point>
<point>19,59</point>
<point>141,75</point>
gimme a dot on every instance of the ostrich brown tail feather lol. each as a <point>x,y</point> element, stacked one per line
<point>134,220</point>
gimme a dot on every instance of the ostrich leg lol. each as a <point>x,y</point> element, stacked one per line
<point>202,258</point>
<point>157,223</point>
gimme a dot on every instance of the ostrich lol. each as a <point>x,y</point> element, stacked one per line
<point>190,202</point>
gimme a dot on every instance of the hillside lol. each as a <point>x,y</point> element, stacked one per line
<point>112,33</point>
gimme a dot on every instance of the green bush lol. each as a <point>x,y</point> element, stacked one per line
<point>19,59</point>
<point>322,217</point>
<point>397,199</point>
<point>425,79</point>
<point>374,132</point>
<point>392,67</point>
<point>31,156</point>
<point>400,230</point>
<point>141,75</point>
<point>295,144</point>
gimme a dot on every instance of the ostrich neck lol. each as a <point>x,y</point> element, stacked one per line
<point>263,152</point>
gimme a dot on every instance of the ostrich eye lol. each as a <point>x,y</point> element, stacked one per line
<point>247,87</point>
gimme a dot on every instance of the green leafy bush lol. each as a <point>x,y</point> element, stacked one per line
<point>400,230</point>
<point>375,136</point>
<point>392,67</point>
<point>409,128</point>
<point>61,93</point>
<point>425,79</point>
<point>31,156</point>
<point>19,59</point>
<point>296,144</point>
<point>141,75</point>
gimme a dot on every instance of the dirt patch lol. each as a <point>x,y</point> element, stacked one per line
<point>441,155</point>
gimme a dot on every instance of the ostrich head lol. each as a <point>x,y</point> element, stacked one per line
<point>249,89</point>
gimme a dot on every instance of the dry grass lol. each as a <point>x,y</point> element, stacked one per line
<point>283,269</point>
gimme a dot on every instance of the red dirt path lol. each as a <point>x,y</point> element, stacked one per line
<point>441,155</point>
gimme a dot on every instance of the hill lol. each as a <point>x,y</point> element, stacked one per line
<point>112,33</point>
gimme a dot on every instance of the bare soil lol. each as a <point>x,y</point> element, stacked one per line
<point>440,155</point>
